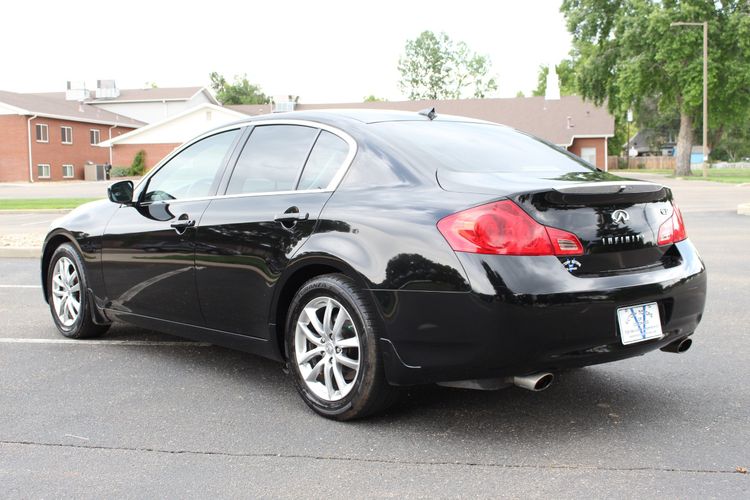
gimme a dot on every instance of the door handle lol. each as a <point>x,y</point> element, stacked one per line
<point>291,217</point>
<point>182,223</point>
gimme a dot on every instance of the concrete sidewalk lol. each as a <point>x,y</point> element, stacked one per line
<point>22,232</point>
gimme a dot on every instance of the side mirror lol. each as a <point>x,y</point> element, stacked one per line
<point>121,192</point>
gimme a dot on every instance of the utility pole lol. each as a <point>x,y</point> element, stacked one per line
<point>705,90</point>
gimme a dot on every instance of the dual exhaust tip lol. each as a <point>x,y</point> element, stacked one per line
<point>678,346</point>
<point>535,382</point>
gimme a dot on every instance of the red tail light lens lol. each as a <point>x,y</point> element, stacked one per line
<point>502,228</point>
<point>673,230</point>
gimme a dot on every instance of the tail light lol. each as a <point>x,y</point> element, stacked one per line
<point>673,230</point>
<point>502,228</point>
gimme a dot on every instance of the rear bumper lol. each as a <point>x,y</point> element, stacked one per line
<point>528,314</point>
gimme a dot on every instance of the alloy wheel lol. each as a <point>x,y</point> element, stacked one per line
<point>327,348</point>
<point>66,292</point>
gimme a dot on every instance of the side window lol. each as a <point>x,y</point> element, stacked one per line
<point>327,156</point>
<point>272,159</point>
<point>192,173</point>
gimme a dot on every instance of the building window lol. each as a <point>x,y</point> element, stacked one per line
<point>67,171</point>
<point>94,135</point>
<point>43,171</point>
<point>589,154</point>
<point>42,132</point>
<point>66,135</point>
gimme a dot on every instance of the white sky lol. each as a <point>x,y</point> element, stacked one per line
<point>323,51</point>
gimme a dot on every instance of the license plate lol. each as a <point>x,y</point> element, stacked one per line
<point>639,323</point>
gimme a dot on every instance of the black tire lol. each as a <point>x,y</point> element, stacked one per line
<point>83,325</point>
<point>370,392</point>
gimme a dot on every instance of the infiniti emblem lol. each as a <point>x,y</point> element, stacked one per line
<point>620,216</point>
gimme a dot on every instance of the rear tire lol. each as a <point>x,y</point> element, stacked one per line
<point>333,353</point>
<point>68,295</point>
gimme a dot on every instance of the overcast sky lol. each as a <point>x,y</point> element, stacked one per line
<point>323,51</point>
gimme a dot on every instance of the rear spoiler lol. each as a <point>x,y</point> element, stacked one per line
<point>606,193</point>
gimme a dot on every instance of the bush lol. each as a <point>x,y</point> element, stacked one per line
<point>139,164</point>
<point>119,172</point>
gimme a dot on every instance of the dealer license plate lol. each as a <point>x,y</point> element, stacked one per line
<point>639,323</point>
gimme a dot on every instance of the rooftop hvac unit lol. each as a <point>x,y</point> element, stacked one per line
<point>107,89</point>
<point>281,107</point>
<point>76,91</point>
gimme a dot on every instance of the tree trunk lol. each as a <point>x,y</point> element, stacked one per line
<point>684,144</point>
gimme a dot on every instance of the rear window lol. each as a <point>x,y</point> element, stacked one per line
<point>478,147</point>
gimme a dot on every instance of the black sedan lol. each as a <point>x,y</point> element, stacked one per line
<point>371,250</point>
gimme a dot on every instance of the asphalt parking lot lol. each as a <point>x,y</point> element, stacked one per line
<point>139,414</point>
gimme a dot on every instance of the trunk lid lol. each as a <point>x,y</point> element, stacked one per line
<point>617,220</point>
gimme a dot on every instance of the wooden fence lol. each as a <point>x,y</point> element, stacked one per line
<point>642,162</point>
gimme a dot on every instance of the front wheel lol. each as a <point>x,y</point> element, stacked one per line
<point>332,347</point>
<point>67,294</point>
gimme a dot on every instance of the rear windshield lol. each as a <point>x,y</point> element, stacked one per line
<point>478,147</point>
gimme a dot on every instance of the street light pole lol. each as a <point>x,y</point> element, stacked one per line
<point>705,90</point>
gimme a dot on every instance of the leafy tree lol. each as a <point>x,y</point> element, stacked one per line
<point>372,98</point>
<point>240,91</point>
<point>434,67</point>
<point>520,94</point>
<point>735,144</point>
<point>139,164</point>
<point>626,51</point>
<point>566,73</point>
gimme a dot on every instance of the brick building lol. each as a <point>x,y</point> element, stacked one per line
<point>45,137</point>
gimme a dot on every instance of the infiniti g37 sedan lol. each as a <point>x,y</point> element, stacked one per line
<point>372,250</point>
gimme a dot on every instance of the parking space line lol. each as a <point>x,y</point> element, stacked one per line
<point>20,286</point>
<point>106,342</point>
<point>33,223</point>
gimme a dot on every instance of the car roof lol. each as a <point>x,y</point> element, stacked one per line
<point>357,116</point>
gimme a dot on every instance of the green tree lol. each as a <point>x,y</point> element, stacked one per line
<point>735,143</point>
<point>372,98</point>
<point>240,91</point>
<point>434,67</point>
<point>566,73</point>
<point>139,164</point>
<point>625,51</point>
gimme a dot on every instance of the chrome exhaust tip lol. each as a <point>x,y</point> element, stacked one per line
<point>535,382</point>
<point>678,346</point>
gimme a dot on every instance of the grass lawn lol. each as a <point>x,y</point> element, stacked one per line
<point>728,175</point>
<point>42,203</point>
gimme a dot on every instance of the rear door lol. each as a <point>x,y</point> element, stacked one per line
<point>273,196</point>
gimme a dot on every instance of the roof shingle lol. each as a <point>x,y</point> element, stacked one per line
<point>54,106</point>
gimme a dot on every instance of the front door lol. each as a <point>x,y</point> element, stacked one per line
<point>148,251</point>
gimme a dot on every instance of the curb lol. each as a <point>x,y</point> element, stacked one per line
<point>743,209</point>
<point>20,252</point>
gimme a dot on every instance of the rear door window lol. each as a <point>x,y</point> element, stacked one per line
<point>272,159</point>
<point>324,162</point>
